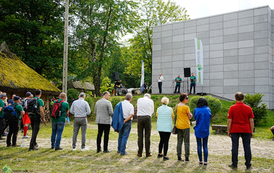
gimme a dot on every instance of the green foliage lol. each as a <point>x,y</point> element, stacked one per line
<point>115,100</point>
<point>214,104</point>
<point>91,103</point>
<point>106,85</point>
<point>259,109</point>
<point>72,94</point>
<point>33,30</point>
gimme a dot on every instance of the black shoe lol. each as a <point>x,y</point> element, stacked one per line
<point>165,158</point>
<point>15,145</point>
<point>2,138</point>
<point>8,145</point>
<point>52,147</point>
<point>98,151</point>
<point>159,156</point>
<point>187,159</point>
<point>107,151</point>
<point>35,148</point>
<point>232,166</point>
<point>58,148</point>
<point>273,139</point>
<point>180,159</point>
<point>249,168</point>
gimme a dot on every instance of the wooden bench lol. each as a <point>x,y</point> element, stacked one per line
<point>219,128</point>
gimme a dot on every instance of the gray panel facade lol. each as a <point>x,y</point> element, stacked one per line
<point>238,53</point>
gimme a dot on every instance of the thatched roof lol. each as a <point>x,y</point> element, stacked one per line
<point>85,86</point>
<point>16,75</point>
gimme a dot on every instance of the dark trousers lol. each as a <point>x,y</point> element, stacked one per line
<point>183,136</point>
<point>272,131</point>
<point>192,85</point>
<point>1,126</point>
<point>160,87</point>
<point>13,131</point>
<point>177,86</point>
<point>144,123</point>
<point>35,125</point>
<point>5,125</point>
<point>103,128</point>
<point>164,139</point>
<point>235,145</point>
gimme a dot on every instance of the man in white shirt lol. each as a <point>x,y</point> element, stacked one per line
<point>160,81</point>
<point>80,108</point>
<point>145,109</point>
<point>128,112</point>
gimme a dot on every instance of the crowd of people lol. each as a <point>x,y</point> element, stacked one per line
<point>240,123</point>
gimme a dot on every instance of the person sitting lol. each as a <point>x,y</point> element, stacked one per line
<point>118,85</point>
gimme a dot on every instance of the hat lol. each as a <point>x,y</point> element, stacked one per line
<point>16,98</point>
<point>3,95</point>
<point>28,94</point>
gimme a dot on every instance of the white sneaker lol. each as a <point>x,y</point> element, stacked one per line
<point>84,149</point>
<point>73,149</point>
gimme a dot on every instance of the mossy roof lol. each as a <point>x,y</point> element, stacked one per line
<point>15,74</point>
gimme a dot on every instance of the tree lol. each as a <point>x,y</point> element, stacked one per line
<point>99,25</point>
<point>33,30</point>
<point>154,13</point>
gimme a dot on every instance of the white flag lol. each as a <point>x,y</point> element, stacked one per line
<point>199,60</point>
<point>142,77</point>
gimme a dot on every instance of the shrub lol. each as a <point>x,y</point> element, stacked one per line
<point>259,109</point>
<point>72,94</point>
<point>106,85</point>
<point>91,103</point>
<point>214,104</point>
<point>115,100</point>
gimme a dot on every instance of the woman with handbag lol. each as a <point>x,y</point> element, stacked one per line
<point>183,127</point>
<point>202,115</point>
<point>164,126</point>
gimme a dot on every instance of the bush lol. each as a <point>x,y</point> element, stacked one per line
<point>214,104</point>
<point>106,85</point>
<point>259,109</point>
<point>115,100</point>
<point>72,94</point>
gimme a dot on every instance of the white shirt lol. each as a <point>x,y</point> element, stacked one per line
<point>128,109</point>
<point>145,106</point>
<point>80,108</point>
<point>160,79</point>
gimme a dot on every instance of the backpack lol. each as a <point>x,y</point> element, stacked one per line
<point>56,109</point>
<point>32,106</point>
<point>23,103</point>
<point>10,113</point>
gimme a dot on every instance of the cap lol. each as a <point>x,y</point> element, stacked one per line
<point>16,98</point>
<point>28,94</point>
<point>3,95</point>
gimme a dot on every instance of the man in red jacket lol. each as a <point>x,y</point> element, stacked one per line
<point>240,123</point>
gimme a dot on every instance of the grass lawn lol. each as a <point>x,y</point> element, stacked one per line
<point>47,160</point>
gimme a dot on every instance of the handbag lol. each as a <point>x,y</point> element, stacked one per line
<point>175,130</point>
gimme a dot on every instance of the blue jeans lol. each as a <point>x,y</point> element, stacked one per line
<point>123,136</point>
<point>199,148</point>
<point>235,145</point>
<point>57,129</point>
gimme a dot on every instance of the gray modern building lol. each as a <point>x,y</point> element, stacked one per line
<point>238,53</point>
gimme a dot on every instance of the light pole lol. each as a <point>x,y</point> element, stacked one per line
<point>65,59</point>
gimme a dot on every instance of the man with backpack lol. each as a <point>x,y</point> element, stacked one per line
<point>14,117</point>
<point>59,114</point>
<point>35,111</point>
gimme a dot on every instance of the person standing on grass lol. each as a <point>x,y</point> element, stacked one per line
<point>164,126</point>
<point>35,119</point>
<point>202,115</point>
<point>58,124</point>
<point>14,123</point>
<point>240,123</point>
<point>103,111</point>
<point>3,96</point>
<point>128,112</point>
<point>26,119</point>
<point>183,125</point>
<point>145,109</point>
<point>80,108</point>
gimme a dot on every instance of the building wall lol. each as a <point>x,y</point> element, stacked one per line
<point>238,53</point>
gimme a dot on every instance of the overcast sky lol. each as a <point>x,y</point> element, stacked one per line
<point>204,8</point>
